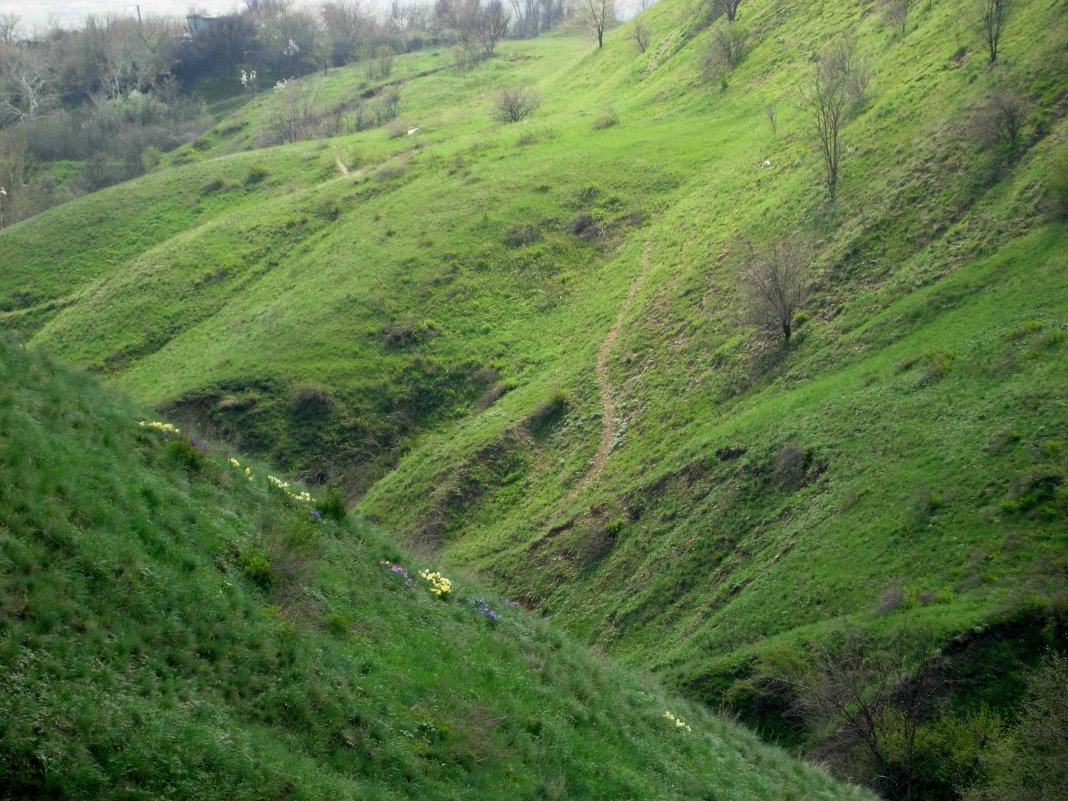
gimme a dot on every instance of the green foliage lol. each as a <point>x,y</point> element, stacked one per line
<point>1026,763</point>
<point>183,453</point>
<point>1058,182</point>
<point>224,304</point>
<point>158,621</point>
<point>609,118</point>
<point>256,174</point>
<point>548,414</point>
<point>256,565</point>
<point>332,504</point>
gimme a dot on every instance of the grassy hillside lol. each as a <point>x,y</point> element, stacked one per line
<point>172,629</point>
<point>525,346</point>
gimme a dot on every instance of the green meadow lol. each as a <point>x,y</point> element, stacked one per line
<point>447,315</point>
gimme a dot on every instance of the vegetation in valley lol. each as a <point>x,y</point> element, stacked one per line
<point>730,344</point>
<point>177,622</point>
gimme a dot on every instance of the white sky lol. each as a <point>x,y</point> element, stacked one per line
<point>69,13</point>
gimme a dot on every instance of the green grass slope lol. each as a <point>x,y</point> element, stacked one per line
<point>172,629</point>
<point>428,328</point>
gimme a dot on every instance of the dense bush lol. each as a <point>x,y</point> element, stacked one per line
<point>332,504</point>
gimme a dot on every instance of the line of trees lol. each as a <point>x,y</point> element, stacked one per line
<point>114,94</point>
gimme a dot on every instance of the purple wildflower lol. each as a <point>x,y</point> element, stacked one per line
<point>484,609</point>
<point>316,514</point>
<point>400,571</point>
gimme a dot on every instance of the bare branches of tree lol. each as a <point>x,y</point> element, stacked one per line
<point>1001,118</point>
<point>992,17</point>
<point>9,25</point>
<point>838,79</point>
<point>477,27</point>
<point>729,8</point>
<point>776,284</point>
<point>729,46</point>
<point>515,103</point>
<point>896,14</point>
<point>870,698</point>
<point>27,83</point>
<point>596,16</point>
<point>640,34</point>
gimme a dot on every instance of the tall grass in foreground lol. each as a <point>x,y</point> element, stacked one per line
<point>174,625</point>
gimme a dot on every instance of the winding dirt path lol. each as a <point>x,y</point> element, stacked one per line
<point>604,382</point>
<point>340,164</point>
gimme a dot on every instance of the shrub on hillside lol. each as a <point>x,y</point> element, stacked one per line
<point>776,284</point>
<point>310,400</point>
<point>184,453</point>
<point>332,504</point>
<point>516,236</point>
<point>256,174</point>
<point>256,566</point>
<point>380,65</point>
<point>1058,184</point>
<point>606,119</point>
<point>515,103</point>
<point>729,46</point>
<point>639,33</point>
<point>548,414</point>
<point>1028,763</point>
<point>790,464</point>
<point>1000,120</point>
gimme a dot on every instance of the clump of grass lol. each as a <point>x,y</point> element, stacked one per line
<point>548,414</point>
<point>934,363</point>
<point>534,135</point>
<point>184,453</point>
<point>256,174</point>
<point>608,118</point>
<point>331,504</point>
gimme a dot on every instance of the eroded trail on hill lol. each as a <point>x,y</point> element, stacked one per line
<point>604,382</point>
<point>340,164</point>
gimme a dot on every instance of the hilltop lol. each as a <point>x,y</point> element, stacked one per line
<point>524,347</point>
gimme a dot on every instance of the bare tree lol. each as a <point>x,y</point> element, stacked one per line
<point>640,34</point>
<point>896,14</point>
<point>838,79</point>
<point>729,44</point>
<point>27,83</point>
<point>14,203</point>
<point>515,104</point>
<point>871,699</point>
<point>380,64</point>
<point>291,114</point>
<point>993,14</point>
<point>477,28</point>
<point>729,8</point>
<point>771,114</point>
<point>1000,120</point>
<point>347,24</point>
<point>491,25</point>
<point>595,16</point>
<point>776,284</point>
<point>9,25</point>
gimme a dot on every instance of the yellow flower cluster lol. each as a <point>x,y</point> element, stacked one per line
<point>679,724</point>
<point>283,486</point>
<point>166,428</point>
<point>439,585</point>
<point>237,466</point>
